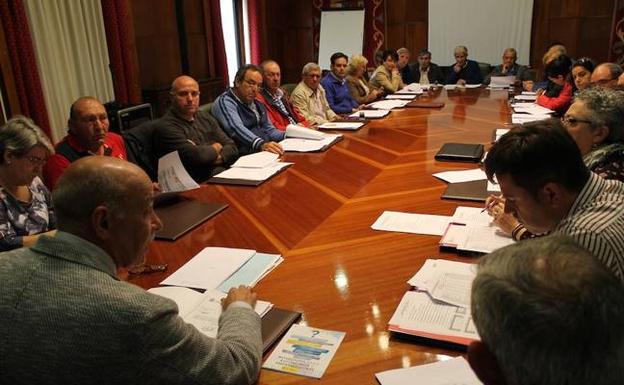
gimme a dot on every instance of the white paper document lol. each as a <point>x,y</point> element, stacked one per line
<point>483,238</point>
<point>209,268</point>
<point>389,104</point>
<point>530,98</point>
<point>295,131</point>
<point>253,174</point>
<point>401,96</point>
<point>411,223</point>
<point>172,176</point>
<point>461,175</point>
<point>257,160</point>
<point>418,314</point>
<point>308,145</point>
<point>202,310</point>
<point>500,132</point>
<point>467,215</point>
<point>446,281</point>
<point>455,371</point>
<point>342,125</point>
<point>370,114</point>
<point>413,88</point>
<point>305,351</point>
<point>502,81</point>
<point>525,118</point>
<point>532,109</point>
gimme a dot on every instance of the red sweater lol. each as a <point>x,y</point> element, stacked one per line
<point>275,115</point>
<point>560,103</point>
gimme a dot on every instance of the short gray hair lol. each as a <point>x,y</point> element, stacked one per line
<point>19,135</point>
<point>551,313</point>
<point>606,108</point>
<point>402,51</point>
<point>461,48</point>
<point>511,50</point>
<point>309,67</point>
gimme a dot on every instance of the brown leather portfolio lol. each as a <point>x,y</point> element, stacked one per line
<point>274,324</point>
<point>183,215</point>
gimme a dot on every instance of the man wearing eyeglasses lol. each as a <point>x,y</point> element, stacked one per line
<point>204,149</point>
<point>606,75</point>
<point>87,135</point>
<point>244,118</point>
<point>549,189</point>
<point>310,98</point>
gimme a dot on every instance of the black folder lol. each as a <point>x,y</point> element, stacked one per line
<point>274,324</point>
<point>475,191</point>
<point>243,182</point>
<point>181,216</point>
<point>460,152</point>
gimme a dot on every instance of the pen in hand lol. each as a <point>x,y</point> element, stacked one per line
<point>495,200</point>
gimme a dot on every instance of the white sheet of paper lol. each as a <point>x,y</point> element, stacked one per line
<point>502,81</point>
<point>532,109</point>
<point>257,160</point>
<point>525,118</point>
<point>411,223</point>
<point>401,96</point>
<point>209,268</point>
<point>493,187</point>
<point>172,176</point>
<point>370,114</point>
<point>484,239</point>
<point>446,281</point>
<point>461,175</point>
<point>418,313</point>
<point>252,173</point>
<point>455,371</point>
<point>307,145</point>
<point>528,93</point>
<point>294,131</point>
<point>467,215</point>
<point>342,125</point>
<point>500,132</point>
<point>305,351</point>
<point>389,104</point>
<point>530,98</point>
<point>414,88</point>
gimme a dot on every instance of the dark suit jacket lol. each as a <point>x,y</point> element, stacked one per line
<point>470,73</point>
<point>67,319</point>
<point>434,75</point>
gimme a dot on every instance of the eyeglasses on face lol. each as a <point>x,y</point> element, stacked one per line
<point>572,121</point>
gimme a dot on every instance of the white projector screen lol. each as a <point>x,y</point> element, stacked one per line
<point>341,31</point>
<point>485,27</point>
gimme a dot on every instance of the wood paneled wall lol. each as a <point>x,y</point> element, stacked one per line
<point>407,25</point>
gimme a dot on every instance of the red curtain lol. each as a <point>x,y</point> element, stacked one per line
<point>254,12</point>
<point>23,62</point>
<point>123,60</point>
<point>218,42</point>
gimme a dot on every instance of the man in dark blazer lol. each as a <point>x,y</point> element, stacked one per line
<point>464,71</point>
<point>68,319</point>
<point>427,72</point>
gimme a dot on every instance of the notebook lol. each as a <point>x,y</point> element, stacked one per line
<point>475,191</point>
<point>183,215</point>
<point>460,152</point>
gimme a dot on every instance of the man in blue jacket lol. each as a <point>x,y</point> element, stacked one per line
<point>464,71</point>
<point>336,89</point>
<point>244,118</point>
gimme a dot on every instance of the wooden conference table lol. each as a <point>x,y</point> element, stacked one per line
<point>338,272</point>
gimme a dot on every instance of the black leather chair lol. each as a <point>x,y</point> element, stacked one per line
<point>139,148</point>
<point>485,69</point>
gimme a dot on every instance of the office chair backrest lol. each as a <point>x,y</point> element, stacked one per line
<point>140,148</point>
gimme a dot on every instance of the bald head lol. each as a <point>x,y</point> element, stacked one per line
<point>606,75</point>
<point>185,96</point>
<point>108,202</point>
<point>88,122</point>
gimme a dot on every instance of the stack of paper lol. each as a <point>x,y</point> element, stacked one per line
<point>401,96</point>
<point>350,126</point>
<point>172,176</point>
<point>440,308</point>
<point>525,118</point>
<point>302,139</point>
<point>455,371</point>
<point>388,104</point>
<point>413,88</point>
<point>202,310</point>
<point>526,96</point>
<point>222,268</point>
<point>369,114</point>
<point>471,229</point>
<point>254,167</point>
<point>502,81</point>
<point>532,108</point>
<point>455,86</point>
<point>461,175</point>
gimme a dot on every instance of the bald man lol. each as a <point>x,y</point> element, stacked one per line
<point>205,150</point>
<point>606,75</point>
<point>67,318</point>
<point>87,135</point>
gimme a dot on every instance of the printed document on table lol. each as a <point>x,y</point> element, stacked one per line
<point>446,281</point>
<point>388,104</point>
<point>252,271</point>
<point>525,118</point>
<point>526,97</point>
<point>411,223</point>
<point>342,125</point>
<point>202,310</point>
<point>455,371</point>
<point>209,268</point>
<point>257,174</point>
<point>419,315</point>
<point>401,96</point>
<point>295,131</point>
<point>305,351</point>
<point>500,132</point>
<point>413,88</point>
<point>483,238</point>
<point>369,114</point>
<point>533,109</point>
<point>502,81</point>
<point>172,176</point>
<point>461,175</point>
<point>256,160</point>
<point>465,215</point>
<point>308,145</point>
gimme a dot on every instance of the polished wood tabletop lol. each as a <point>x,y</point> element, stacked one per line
<point>341,274</point>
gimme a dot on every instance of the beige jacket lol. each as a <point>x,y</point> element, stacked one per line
<point>383,79</point>
<point>303,98</point>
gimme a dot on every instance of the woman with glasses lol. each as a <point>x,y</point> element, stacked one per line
<point>581,73</point>
<point>26,209</point>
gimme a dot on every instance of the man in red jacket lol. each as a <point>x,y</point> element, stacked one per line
<point>280,110</point>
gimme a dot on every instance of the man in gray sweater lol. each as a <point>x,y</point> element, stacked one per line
<point>66,318</point>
